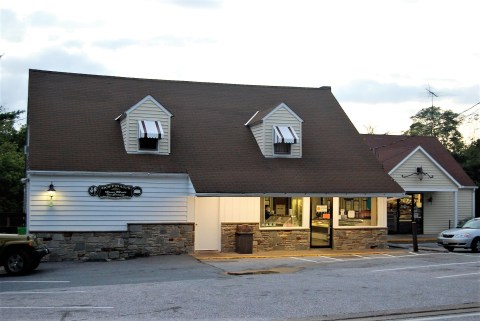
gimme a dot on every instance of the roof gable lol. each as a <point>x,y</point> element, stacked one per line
<point>390,150</point>
<point>419,149</point>
<point>140,103</point>
<point>261,116</point>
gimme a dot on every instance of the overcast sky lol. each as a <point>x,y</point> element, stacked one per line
<point>378,56</point>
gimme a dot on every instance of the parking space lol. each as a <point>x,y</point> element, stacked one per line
<point>398,261</point>
<point>184,288</point>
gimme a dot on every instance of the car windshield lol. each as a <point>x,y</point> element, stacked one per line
<point>472,224</point>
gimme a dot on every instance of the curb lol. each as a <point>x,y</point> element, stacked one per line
<point>221,256</point>
<point>410,247</point>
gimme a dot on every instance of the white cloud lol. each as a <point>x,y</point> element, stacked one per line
<point>13,30</point>
<point>378,56</point>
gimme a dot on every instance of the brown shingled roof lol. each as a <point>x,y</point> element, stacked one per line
<point>392,149</point>
<point>72,128</point>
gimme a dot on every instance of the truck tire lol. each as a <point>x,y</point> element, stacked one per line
<point>17,262</point>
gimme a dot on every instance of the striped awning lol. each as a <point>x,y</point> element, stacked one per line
<point>285,134</point>
<point>150,129</point>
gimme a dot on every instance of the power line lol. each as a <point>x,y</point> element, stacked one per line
<point>471,114</point>
<point>469,108</point>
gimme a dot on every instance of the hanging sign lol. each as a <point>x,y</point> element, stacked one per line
<point>115,191</point>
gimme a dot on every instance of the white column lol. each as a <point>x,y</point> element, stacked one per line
<point>336,211</point>
<point>381,211</point>
<point>306,212</point>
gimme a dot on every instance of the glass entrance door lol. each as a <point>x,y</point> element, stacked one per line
<point>403,211</point>
<point>321,222</point>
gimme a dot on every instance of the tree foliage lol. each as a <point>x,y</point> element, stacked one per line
<point>12,162</point>
<point>433,121</point>
<point>470,160</point>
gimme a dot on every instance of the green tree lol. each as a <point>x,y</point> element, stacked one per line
<point>12,162</point>
<point>433,121</point>
<point>469,159</point>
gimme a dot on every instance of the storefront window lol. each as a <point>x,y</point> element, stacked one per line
<point>281,212</point>
<point>358,211</point>
<point>402,211</point>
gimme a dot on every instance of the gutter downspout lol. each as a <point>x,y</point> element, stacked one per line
<point>473,203</point>
<point>455,215</point>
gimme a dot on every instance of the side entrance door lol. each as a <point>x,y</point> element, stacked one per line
<point>321,222</point>
<point>207,224</point>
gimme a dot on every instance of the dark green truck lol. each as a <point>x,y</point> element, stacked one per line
<point>20,254</point>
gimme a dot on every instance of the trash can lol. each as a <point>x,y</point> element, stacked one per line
<point>244,239</point>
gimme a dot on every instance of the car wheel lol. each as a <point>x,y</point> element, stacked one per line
<point>449,248</point>
<point>475,244</point>
<point>17,262</point>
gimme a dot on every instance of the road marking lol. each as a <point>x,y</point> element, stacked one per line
<point>331,258</point>
<point>461,254</point>
<point>41,292</point>
<point>424,266</point>
<point>362,257</point>
<point>444,317</point>
<point>413,254</point>
<point>66,307</point>
<point>301,259</point>
<point>456,275</point>
<point>34,281</point>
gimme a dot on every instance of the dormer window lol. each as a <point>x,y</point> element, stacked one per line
<point>285,136</point>
<point>282,148</point>
<point>149,132</point>
<point>278,132</point>
<point>146,128</point>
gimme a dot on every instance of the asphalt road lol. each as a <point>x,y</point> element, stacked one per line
<point>399,285</point>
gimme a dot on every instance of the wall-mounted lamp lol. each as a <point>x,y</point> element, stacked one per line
<point>420,174</point>
<point>51,192</point>
<point>430,199</point>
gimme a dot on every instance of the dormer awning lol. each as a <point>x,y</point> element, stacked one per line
<point>150,129</point>
<point>285,134</point>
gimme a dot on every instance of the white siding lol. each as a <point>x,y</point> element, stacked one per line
<point>282,117</point>
<point>440,181</point>
<point>240,209</point>
<point>124,126</point>
<point>259,134</point>
<point>465,204</point>
<point>438,213</point>
<point>164,200</point>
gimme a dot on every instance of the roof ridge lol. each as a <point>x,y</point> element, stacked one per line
<point>326,88</point>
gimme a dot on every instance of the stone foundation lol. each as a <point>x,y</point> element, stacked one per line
<point>267,240</point>
<point>139,240</point>
<point>360,239</point>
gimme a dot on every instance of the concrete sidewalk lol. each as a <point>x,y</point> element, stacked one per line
<point>426,242</point>
<point>397,243</point>
<point>214,255</point>
<point>407,238</point>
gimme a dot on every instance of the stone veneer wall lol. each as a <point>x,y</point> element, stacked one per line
<point>267,240</point>
<point>360,239</point>
<point>139,240</point>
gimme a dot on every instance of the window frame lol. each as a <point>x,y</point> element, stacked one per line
<point>146,140</point>
<point>357,208</point>
<point>302,210</point>
<point>287,146</point>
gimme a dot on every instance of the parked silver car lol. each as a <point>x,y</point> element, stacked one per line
<point>465,237</point>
